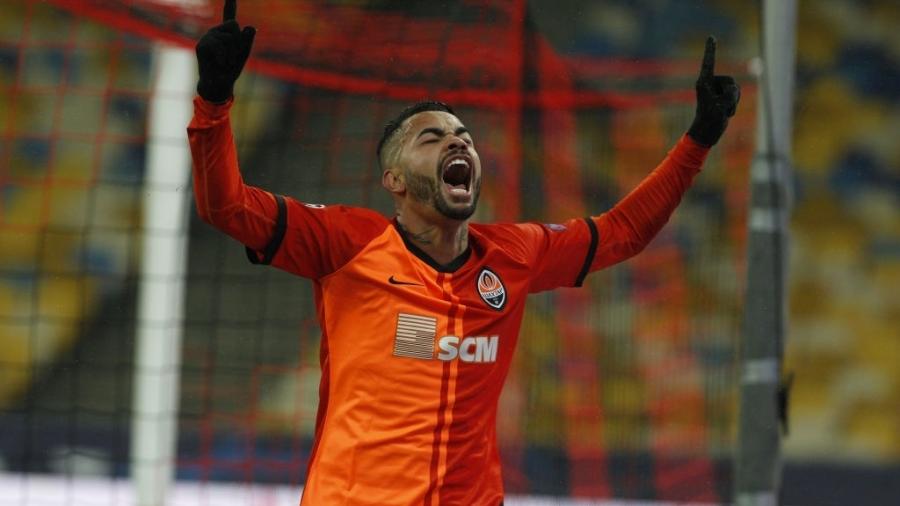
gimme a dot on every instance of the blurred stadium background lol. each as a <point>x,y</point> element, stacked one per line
<point>627,389</point>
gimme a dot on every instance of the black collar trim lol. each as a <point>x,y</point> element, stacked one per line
<point>454,264</point>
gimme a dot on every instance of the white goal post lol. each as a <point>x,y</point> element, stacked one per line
<point>160,319</point>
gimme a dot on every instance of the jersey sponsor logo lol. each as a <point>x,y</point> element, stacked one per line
<point>491,289</point>
<point>415,336</point>
<point>478,349</point>
<point>314,206</point>
<point>556,227</point>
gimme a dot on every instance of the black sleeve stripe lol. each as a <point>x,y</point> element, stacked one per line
<point>277,236</point>
<point>592,250</point>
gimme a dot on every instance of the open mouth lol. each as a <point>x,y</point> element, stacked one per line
<point>456,173</point>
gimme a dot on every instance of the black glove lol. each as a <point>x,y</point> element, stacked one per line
<point>717,99</point>
<point>221,55</point>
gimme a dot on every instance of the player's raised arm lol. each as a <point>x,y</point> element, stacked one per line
<point>223,200</point>
<point>637,218</point>
<point>221,55</point>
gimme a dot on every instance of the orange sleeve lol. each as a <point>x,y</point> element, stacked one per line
<point>246,213</point>
<point>309,240</point>
<point>556,253</point>
<point>627,228</point>
<point>319,240</point>
<point>563,254</point>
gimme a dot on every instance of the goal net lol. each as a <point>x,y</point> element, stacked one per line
<point>625,388</point>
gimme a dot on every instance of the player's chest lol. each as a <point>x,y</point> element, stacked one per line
<point>411,311</point>
<point>489,287</point>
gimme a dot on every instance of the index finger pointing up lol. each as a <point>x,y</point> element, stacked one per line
<point>230,11</point>
<point>709,58</point>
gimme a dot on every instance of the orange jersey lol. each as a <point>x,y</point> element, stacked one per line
<point>414,354</point>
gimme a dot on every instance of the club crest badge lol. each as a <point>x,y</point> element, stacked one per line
<point>491,289</point>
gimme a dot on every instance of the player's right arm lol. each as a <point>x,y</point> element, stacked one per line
<point>308,240</point>
<point>244,212</point>
<point>223,200</point>
<point>305,239</point>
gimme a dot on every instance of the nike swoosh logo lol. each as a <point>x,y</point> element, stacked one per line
<point>395,281</point>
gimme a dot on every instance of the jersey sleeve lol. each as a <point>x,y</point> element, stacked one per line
<point>557,254</point>
<point>627,228</point>
<point>563,254</point>
<point>222,199</point>
<point>305,239</point>
<point>312,240</point>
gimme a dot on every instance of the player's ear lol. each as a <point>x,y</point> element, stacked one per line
<point>393,181</point>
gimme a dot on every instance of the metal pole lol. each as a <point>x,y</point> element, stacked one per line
<point>758,460</point>
<point>163,266</point>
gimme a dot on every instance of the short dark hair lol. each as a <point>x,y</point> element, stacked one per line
<point>394,124</point>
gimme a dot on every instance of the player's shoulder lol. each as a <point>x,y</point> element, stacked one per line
<point>526,236</point>
<point>358,214</point>
<point>341,212</point>
<point>338,218</point>
<point>497,231</point>
<point>513,238</point>
<point>509,232</point>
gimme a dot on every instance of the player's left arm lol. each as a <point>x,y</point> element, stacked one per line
<point>563,254</point>
<point>633,222</point>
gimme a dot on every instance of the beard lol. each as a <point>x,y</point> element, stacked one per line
<point>426,190</point>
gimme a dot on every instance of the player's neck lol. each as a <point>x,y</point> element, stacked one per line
<point>442,240</point>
